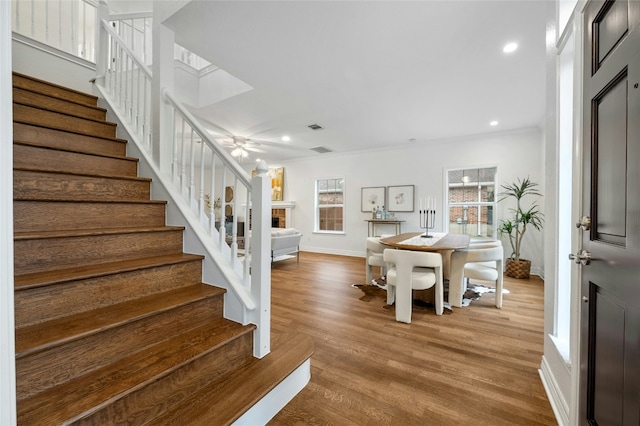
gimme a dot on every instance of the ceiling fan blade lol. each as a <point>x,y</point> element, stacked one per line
<point>280,145</point>
<point>217,129</point>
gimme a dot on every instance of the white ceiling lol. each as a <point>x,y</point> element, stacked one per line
<point>371,73</point>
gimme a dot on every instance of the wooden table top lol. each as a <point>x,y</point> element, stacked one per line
<point>446,242</point>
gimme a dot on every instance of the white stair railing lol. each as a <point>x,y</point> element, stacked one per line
<point>134,29</point>
<point>200,173</point>
<point>69,26</point>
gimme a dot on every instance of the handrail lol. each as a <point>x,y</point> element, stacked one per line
<point>130,15</point>
<point>202,132</point>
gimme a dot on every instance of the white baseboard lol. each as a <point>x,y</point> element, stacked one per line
<point>274,401</point>
<point>558,403</point>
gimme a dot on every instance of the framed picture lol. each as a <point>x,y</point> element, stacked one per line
<point>400,198</point>
<point>277,181</point>
<point>372,197</point>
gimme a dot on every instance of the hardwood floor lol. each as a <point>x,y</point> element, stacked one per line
<point>476,365</point>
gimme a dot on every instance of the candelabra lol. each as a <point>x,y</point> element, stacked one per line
<point>427,221</point>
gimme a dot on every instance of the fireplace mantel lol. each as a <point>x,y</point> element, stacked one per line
<point>288,207</point>
<point>283,204</point>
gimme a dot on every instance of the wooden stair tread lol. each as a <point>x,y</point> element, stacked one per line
<point>76,151</point>
<point>56,97</point>
<point>38,337</point>
<point>94,175</point>
<point>107,138</point>
<point>121,201</point>
<point>41,279</point>
<point>83,395</point>
<point>91,99</point>
<point>21,236</point>
<point>246,386</point>
<point>65,113</point>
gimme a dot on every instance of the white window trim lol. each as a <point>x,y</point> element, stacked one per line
<point>316,207</point>
<point>496,218</point>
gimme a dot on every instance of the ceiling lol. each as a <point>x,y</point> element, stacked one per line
<point>373,74</point>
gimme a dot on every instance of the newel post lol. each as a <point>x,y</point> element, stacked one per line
<point>102,54</point>
<point>261,259</point>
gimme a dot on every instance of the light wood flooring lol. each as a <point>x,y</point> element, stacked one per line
<point>474,366</point>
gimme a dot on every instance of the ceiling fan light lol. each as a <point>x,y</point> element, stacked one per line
<point>237,152</point>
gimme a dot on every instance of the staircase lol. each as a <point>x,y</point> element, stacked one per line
<point>113,323</point>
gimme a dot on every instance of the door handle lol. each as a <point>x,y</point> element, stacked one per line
<point>584,223</point>
<point>582,257</point>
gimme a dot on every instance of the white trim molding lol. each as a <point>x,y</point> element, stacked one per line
<point>265,409</point>
<point>558,403</point>
<point>7,332</point>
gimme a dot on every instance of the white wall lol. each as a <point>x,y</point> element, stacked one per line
<point>558,378</point>
<point>516,154</point>
<point>55,69</point>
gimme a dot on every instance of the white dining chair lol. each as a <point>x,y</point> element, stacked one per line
<point>412,270</point>
<point>481,261</point>
<point>374,250</point>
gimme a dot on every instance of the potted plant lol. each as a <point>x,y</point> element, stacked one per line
<point>516,226</point>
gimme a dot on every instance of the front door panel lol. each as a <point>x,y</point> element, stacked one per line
<point>610,318</point>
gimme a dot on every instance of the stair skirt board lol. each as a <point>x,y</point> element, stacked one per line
<point>265,409</point>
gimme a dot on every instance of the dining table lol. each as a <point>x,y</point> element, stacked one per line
<point>441,242</point>
<point>436,241</point>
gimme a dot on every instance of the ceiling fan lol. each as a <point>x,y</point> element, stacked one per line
<point>240,146</point>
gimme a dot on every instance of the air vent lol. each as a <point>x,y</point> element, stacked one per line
<point>321,149</point>
<point>315,127</point>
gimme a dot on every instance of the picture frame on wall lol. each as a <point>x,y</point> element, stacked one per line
<point>372,197</point>
<point>277,182</point>
<point>400,198</point>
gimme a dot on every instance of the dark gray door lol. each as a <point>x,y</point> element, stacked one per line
<point>610,321</point>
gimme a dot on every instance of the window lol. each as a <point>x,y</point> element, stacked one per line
<point>330,206</point>
<point>471,201</point>
<point>564,169</point>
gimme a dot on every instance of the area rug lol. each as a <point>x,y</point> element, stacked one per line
<point>377,289</point>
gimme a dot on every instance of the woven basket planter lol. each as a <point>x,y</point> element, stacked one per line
<point>518,268</point>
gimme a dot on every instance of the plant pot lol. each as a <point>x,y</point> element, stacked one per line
<point>518,268</point>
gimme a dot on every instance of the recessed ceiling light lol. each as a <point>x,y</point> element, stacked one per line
<point>510,47</point>
<point>286,138</point>
<point>493,123</point>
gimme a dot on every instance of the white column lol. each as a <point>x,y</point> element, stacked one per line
<point>102,41</point>
<point>7,345</point>
<point>261,259</point>
<point>162,116</point>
